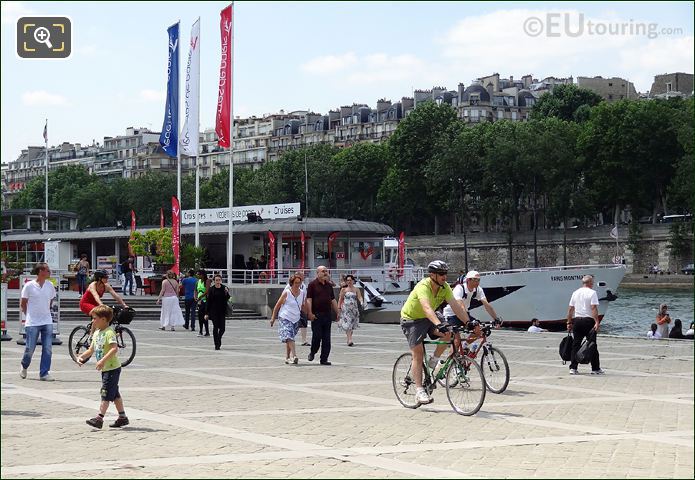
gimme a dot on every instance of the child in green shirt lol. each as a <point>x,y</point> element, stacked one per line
<point>105,348</point>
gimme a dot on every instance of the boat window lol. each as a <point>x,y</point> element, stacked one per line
<point>366,254</point>
<point>602,284</point>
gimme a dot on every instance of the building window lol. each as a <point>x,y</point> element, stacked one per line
<point>513,115</point>
<point>500,115</point>
<point>668,87</point>
<point>610,84</point>
<point>610,97</point>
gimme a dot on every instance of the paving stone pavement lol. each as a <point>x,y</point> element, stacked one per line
<point>241,412</point>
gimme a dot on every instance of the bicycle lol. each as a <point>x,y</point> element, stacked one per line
<point>493,362</point>
<point>462,377</point>
<point>80,339</point>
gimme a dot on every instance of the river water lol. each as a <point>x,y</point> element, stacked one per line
<point>635,310</point>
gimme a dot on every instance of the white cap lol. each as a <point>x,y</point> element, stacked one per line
<point>472,274</point>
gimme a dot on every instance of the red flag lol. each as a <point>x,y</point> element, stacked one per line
<point>401,254</point>
<point>301,265</point>
<point>331,239</point>
<point>224,96</point>
<point>271,253</point>
<point>132,230</point>
<point>175,232</point>
<point>161,217</point>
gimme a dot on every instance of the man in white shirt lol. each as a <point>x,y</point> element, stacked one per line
<point>583,321</point>
<point>37,298</point>
<point>534,328</point>
<point>465,291</point>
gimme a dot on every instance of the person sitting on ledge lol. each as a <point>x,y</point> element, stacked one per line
<point>534,328</point>
<point>653,333</point>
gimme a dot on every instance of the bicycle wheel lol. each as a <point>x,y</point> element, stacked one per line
<point>78,341</point>
<point>465,386</point>
<point>126,345</point>
<point>403,384</point>
<point>495,369</point>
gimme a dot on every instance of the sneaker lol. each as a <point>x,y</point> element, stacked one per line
<point>206,335</point>
<point>598,372</point>
<point>306,344</point>
<point>351,344</point>
<point>422,398</point>
<point>23,373</point>
<point>96,422</point>
<point>311,356</point>
<point>172,329</point>
<point>162,328</point>
<point>573,371</point>
<point>326,363</point>
<point>47,378</point>
<point>288,361</point>
<point>295,360</point>
<point>120,422</point>
<point>199,335</point>
<point>438,368</point>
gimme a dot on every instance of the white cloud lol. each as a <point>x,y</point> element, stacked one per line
<point>498,42</point>
<point>10,12</point>
<point>330,63</point>
<point>43,98</point>
<point>149,95</point>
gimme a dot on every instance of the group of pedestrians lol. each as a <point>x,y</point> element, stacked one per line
<point>660,328</point>
<point>316,303</point>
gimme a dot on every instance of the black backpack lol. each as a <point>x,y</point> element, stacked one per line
<point>587,350</point>
<point>566,348</point>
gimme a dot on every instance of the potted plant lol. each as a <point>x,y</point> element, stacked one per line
<point>192,257</point>
<point>157,245</point>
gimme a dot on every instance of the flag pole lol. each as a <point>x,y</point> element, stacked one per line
<point>197,168</point>
<point>230,253</point>
<point>45,138</point>
<point>178,116</point>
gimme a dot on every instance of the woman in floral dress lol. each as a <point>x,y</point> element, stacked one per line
<point>349,318</point>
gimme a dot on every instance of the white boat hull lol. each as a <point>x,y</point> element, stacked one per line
<point>516,295</point>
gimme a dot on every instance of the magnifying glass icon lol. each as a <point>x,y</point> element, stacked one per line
<point>42,35</point>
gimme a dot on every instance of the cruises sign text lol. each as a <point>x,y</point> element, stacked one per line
<point>266,212</point>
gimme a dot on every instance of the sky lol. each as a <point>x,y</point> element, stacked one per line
<point>317,55</point>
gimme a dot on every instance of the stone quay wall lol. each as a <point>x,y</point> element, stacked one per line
<point>590,246</point>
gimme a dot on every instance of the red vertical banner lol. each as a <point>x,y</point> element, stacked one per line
<point>224,91</point>
<point>302,258</point>
<point>401,254</point>
<point>331,239</point>
<point>175,232</point>
<point>132,230</point>
<point>271,253</point>
<point>161,217</point>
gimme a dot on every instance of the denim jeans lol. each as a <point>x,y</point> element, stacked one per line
<point>128,282</point>
<point>32,336</point>
<point>189,317</point>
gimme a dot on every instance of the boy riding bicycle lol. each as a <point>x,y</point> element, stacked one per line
<point>106,349</point>
<point>418,318</point>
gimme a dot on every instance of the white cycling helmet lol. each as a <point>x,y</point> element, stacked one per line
<point>438,266</point>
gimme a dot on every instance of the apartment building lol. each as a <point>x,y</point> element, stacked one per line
<point>610,89</point>
<point>672,84</point>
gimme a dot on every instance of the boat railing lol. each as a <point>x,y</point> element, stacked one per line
<point>552,269</point>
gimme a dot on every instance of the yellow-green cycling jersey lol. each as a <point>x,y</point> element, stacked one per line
<point>412,309</point>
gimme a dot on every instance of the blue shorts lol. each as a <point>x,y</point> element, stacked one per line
<point>109,385</point>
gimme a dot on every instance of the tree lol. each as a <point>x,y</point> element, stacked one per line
<point>680,190</point>
<point>566,102</point>
<point>404,194</point>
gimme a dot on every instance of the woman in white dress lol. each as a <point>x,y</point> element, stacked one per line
<point>171,315</point>
<point>348,303</point>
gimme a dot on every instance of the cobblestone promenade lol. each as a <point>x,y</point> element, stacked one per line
<point>241,412</point>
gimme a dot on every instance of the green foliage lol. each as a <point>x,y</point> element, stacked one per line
<point>192,257</point>
<point>680,238</point>
<point>160,240</point>
<point>634,239</point>
<point>566,102</point>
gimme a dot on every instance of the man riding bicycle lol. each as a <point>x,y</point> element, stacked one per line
<point>418,319</point>
<point>468,288</point>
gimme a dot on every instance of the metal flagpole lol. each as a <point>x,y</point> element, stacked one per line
<point>178,117</point>
<point>197,168</point>
<point>306,186</point>
<point>45,137</point>
<point>230,254</point>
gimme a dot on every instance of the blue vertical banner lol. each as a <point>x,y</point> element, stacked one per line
<point>169,139</point>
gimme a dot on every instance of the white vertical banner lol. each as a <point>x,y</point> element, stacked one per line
<point>189,134</point>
